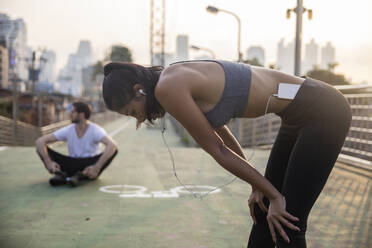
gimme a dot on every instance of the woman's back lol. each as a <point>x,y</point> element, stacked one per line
<point>206,81</point>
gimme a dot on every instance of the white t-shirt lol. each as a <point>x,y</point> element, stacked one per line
<point>86,146</point>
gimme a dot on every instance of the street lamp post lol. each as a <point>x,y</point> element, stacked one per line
<point>215,10</point>
<point>197,48</point>
<point>299,10</point>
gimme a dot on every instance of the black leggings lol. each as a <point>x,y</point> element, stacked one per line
<point>313,130</point>
<point>71,165</point>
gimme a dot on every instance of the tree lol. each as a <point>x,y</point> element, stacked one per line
<point>117,53</point>
<point>97,69</point>
<point>253,61</point>
<point>328,76</point>
<point>120,54</point>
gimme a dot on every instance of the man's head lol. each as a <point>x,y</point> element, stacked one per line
<point>80,112</point>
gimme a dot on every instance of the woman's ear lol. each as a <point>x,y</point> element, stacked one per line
<point>139,90</point>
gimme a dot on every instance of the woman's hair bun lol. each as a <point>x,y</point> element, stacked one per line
<point>107,69</point>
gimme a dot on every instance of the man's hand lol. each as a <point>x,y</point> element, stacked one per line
<point>53,167</point>
<point>91,171</point>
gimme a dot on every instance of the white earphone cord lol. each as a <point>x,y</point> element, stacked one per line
<point>174,165</point>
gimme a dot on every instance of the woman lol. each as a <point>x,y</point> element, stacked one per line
<point>204,95</point>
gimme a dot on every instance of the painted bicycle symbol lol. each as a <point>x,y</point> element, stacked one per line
<point>136,191</point>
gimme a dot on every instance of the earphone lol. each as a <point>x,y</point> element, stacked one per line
<point>142,92</point>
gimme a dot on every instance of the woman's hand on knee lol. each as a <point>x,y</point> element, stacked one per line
<point>256,197</point>
<point>277,216</point>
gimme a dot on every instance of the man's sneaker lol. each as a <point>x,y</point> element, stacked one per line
<point>58,179</point>
<point>75,179</point>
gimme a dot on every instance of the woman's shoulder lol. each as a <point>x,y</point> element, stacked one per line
<point>179,73</point>
<point>172,70</point>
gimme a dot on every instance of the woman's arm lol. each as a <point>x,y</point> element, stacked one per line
<point>229,140</point>
<point>177,100</point>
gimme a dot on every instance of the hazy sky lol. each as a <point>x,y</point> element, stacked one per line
<point>59,25</point>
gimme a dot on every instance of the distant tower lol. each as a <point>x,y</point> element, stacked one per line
<point>285,57</point>
<point>157,30</point>
<point>256,52</point>
<point>311,56</point>
<point>13,36</point>
<point>85,52</point>
<point>182,50</point>
<point>328,56</point>
<point>70,78</point>
<point>47,66</point>
<point>4,67</point>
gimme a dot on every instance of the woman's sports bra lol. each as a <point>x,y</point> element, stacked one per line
<point>234,99</point>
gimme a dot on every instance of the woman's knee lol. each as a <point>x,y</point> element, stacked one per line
<point>297,238</point>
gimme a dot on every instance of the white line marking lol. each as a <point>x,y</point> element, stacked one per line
<point>3,148</point>
<point>125,125</point>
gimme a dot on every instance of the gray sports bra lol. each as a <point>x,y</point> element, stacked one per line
<point>235,94</point>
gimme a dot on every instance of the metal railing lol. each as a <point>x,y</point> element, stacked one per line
<point>357,149</point>
<point>23,134</point>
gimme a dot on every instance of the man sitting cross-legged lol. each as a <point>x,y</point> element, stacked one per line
<point>83,138</point>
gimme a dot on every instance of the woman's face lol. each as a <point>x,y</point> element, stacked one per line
<point>135,108</point>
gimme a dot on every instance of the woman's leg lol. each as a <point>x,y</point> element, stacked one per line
<point>275,171</point>
<point>322,116</point>
<point>310,164</point>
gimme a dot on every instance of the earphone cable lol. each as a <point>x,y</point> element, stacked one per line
<point>172,158</point>
<point>163,128</point>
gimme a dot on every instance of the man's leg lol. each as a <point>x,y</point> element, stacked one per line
<point>60,177</point>
<point>82,163</point>
<point>71,168</point>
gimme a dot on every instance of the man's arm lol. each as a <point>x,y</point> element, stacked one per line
<point>93,171</point>
<point>41,149</point>
<point>108,152</point>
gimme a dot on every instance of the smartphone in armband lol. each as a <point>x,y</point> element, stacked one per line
<point>287,91</point>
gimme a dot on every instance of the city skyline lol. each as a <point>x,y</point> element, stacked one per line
<point>122,22</point>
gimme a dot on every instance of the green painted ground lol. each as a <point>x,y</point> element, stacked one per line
<point>33,214</point>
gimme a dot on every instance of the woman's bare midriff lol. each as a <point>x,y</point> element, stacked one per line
<point>264,83</point>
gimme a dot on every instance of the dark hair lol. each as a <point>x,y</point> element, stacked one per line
<point>82,107</point>
<point>120,77</point>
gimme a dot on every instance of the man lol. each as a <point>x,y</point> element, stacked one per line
<point>83,138</point>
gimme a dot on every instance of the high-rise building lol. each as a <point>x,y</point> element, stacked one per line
<point>85,52</point>
<point>4,67</point>
<point>89,86</point>
<point>256,52</point>
<point>328,55</point>
<point>182,47</point>
<point>70,78</point>
<point>6,27</point>
<point>168,58</point>
<point>13,36</point>
<point>285,57</point>
<point>47,66</point>
<point>204,57</point>
<point>311,56</point>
